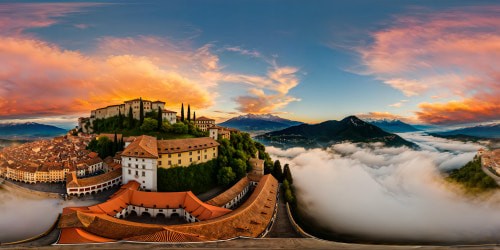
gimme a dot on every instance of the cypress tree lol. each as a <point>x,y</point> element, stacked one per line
<point>182,112</point>
<point>287,174</point>
<point>141,112</point>
<point>115,145</point>
<point>189,113</point>
<point>277,171</point>
<point>159,118</point>
<point>120,119</point>
<point>194,116</point>
<point>130,118</point>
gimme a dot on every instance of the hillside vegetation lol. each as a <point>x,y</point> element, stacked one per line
<point>472,177</point>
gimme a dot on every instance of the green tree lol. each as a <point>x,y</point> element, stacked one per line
<point>131,124</point>
<point>225,176</point>
<point>277,171</point>
<point>149,124</point>
<point>289,197</point>
<point>141,111</point>
<point>180,128</point>
<point>182,112</point>
<point>189,113</point>
<point>159,118</point>
<point>120,119</point>
<point>287,174</point>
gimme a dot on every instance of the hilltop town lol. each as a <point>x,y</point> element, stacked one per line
<point>132,166</point>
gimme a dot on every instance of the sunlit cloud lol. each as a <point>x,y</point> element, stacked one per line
<point>278,81</point>
<point>450,54</point>
<point>45,79</point>
<point>398,104</point>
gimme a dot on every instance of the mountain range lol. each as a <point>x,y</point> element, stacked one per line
<point>29,130</point>
<point>326,133</point>
<point>483,131</point>
<point>393,126</point>
<point>262,123</point>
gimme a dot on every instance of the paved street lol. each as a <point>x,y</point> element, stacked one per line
<point>282,227</point>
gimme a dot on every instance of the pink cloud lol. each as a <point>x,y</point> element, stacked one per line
<point>43,79</point>
<point>450,53</point>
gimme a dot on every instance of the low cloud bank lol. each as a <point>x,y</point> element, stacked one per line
<point>392,193</point>
<point>22,217</point>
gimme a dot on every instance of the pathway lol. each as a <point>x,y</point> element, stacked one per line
<point>282,227</point>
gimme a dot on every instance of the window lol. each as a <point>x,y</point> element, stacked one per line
<point>214,154</point>
<point>142,160</point>
<point>205,150</point>
<point>199,157</point>
<point>136,158</point>
<point>179,155</point>
<point>159,162</point>
<point>199,151</point>
<point>136,165</point>
<point>143,174</point>
<point>190,159</point>
<point>179,162</point>
<point>129,171</point>
<point>169,156</point>
<point>169,162</point>
<point>129,165</point>
<point>143,166</point>
<point>137,173</point>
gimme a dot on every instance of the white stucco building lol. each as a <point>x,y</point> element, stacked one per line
<point>139,162</point>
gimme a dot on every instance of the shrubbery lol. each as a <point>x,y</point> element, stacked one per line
<point>472,177</point>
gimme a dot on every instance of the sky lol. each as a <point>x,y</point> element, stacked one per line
<point>428,62</point>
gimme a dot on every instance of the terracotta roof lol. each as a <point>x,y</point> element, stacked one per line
<point>249,220</point>
<point>77,235</point>
<point>73,181</point>
<point>143,147</point>
<point>169,111</point>
<point>203,118</point>
<point>222,199</point>
<point>183,145</point>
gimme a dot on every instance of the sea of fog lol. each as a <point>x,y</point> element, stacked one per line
<point>23,216</point>
<point>392,194</point>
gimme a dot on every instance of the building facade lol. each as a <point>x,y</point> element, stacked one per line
<point>143,156</point>
<point>204,123</point>
<point>139,162</point>
<point>169,116</point>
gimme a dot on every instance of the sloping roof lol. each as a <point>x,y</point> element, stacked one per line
<point>250,220</point>
<point>143,147</point>
<point>183,145</point>
<point>73,181</point>
<point>222,199</point>
<point>169,111</point>
<point>77,235</point>
<point>203,118</point>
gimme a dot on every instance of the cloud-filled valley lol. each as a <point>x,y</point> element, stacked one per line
<point>392,194</point>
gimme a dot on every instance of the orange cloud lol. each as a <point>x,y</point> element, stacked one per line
<point>452,54</point>
<point>459,111</point>
<point>43,79</point>
<point>279,81</point>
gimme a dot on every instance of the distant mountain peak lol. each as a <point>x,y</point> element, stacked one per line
<point>258,122</point>
<point>350,128</point>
